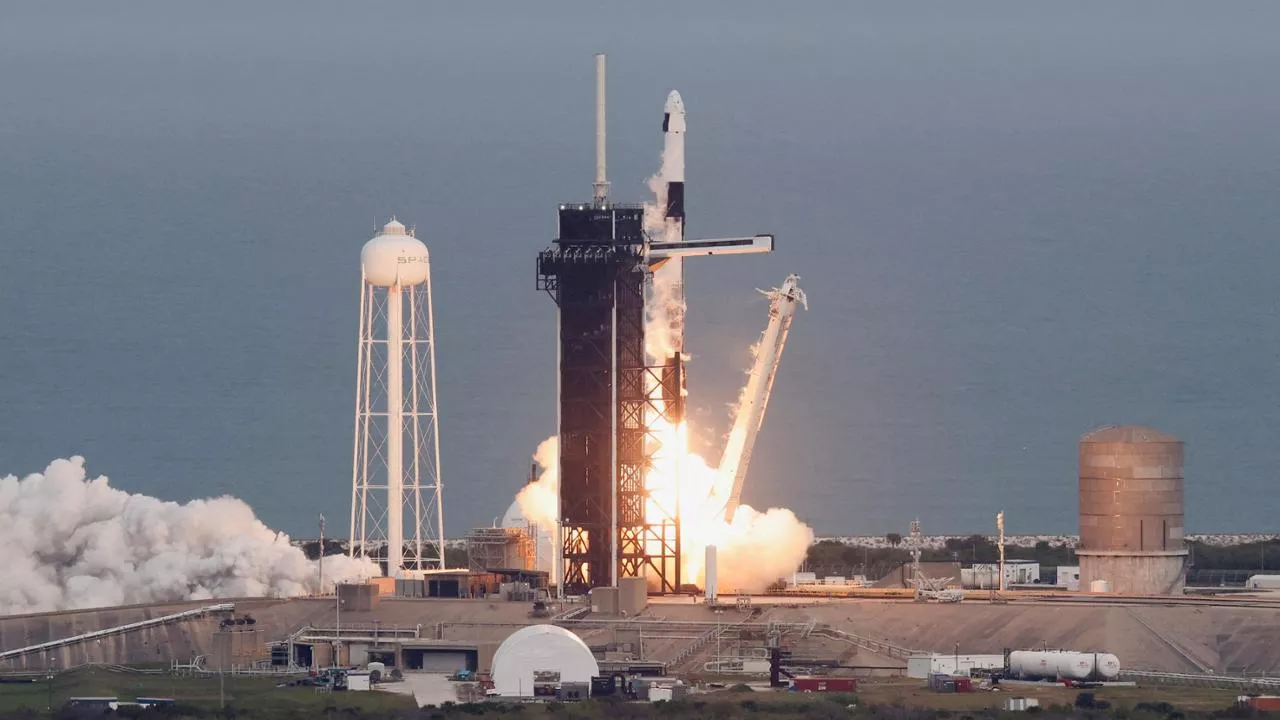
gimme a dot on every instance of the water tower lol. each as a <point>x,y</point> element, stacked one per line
<point>1131,511</point>
<point>396,457</point>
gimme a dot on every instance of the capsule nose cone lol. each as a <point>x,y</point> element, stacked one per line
<point>674,104</point>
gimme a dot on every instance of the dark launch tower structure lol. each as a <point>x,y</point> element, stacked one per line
<point>597,271</point>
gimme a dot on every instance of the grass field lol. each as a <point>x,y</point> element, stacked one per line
<point>260,697</point>
<point>240,692</point>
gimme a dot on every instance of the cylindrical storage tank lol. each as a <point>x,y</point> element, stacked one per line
<point>1034,664</point>
<point>1099,586</point>
<point>710,574</point>
<point>1106,665</point>
<point>1131,511</point>
<point>1263,582</point>
<point>1063,664</point>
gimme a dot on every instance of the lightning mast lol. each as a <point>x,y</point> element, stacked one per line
<point>755,397</point>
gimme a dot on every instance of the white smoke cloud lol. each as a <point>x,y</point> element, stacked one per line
<point>539,500</point>
<point>72,542</point>
<point>759,548</point>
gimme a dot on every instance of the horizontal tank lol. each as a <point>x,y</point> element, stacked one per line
<point>1263,582</point>
<point>1063,665</point>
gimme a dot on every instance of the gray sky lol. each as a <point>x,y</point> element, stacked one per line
<point>1015,222</point>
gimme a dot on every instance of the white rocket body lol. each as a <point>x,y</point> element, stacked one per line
<point>670,275</point>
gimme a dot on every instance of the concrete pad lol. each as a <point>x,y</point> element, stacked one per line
<point>426,688</point>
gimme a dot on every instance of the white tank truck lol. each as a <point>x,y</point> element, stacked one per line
<point>1063,665</point>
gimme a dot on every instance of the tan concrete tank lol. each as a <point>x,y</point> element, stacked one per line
<point>1131,511</point>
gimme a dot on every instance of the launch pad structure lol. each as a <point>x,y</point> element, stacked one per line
<point>611,394</point>
<point>596,272</point>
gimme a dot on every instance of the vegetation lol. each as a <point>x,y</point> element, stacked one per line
<point>831,557</point>
<point>1246,557</point>
<point>898,699</point>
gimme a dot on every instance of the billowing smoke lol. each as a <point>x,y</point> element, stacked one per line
<point>662,306</point>
<point>72,542</point>
<point>538,501</point>
<point>759,548</point>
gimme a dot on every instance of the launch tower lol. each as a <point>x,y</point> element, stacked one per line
<point>611,394</point>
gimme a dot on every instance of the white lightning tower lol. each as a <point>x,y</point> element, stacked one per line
<point>396,456</point>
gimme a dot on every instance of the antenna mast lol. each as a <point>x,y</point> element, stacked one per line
<point>600,187</point>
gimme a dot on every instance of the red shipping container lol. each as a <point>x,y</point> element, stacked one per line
<point>824,684</point>
<point>1265,703</point>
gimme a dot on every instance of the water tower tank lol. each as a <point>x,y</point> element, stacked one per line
<point>394,257</point>
<point>1131,511</point>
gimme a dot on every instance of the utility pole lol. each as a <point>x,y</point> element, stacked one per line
<point>1000,528</point>
<point>320,589</point>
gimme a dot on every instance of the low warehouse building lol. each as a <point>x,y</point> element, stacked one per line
<point>922,666</point>
<point>537,658</point>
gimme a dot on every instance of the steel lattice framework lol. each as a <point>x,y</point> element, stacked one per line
<point>393,374</point>
<point>597,274</point>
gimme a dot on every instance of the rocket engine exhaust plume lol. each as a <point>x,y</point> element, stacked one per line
<point>72,542</point>
<point>538,500</point>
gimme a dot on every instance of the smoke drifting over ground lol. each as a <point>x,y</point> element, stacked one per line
<point>72,542</point>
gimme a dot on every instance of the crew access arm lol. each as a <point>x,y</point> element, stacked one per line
<point>755,397</point>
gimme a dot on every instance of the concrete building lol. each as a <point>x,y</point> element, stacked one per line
<point>987,575</point>
<point>1069,577</point>
<point>1131,511</point>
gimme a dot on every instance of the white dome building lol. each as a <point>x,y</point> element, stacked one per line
<point>541,649</point>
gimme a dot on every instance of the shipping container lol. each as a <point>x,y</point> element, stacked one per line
<point>824,684</point>
<point>1261,703</point>
<point>950,683</point>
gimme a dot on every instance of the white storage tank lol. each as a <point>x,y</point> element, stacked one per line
<point>711,581</point>
<point>1263,582</point>
<point>1063,664</point>
<point>1100,586</point>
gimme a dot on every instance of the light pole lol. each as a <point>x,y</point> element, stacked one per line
<point>320,563</point>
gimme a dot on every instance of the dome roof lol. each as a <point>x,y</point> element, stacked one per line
<point>1128,434</point>
<point>541,648</point>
